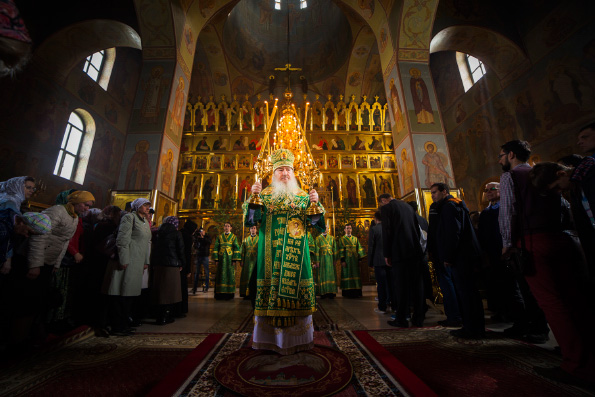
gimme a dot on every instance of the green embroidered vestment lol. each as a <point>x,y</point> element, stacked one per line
<point>249,253</point>
<point>226,251</point>
<point>285,288</point>
<point>350,251</point>
<point>326,256</point>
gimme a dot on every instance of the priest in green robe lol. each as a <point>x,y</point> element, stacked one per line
<point>285,296</point>
<point>225,254</point>
<point>249,253</point>
<point>326,256</point>
<point>350,252</point>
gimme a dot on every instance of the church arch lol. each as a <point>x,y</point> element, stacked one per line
<point>65,49</point>
<point>501,54</point>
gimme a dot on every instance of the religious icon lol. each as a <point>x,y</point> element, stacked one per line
<point>359,144</point>
<point>346,161</point>
<point>244,162</point>
<point>367,192</point>
<point>421,98</point>
<point>332,161</point>
<point>406,171</point>
<point>201,162</point>
<point>436,164</point>
<point>186,163</point>
<point>244,190</point>
<point>320,162</point>
<point>320,143</point>
<point>191,192</point>
<point>220,143</point>
<point>361,161</point>
<point>229,162</point>
<point>295,228</point>
<point>226,191</point>
<point>384,184</point>
<point>388,162</point>
<point>207,192</point>
<point>138,172</point>
<point>376,143</point>
<point>215,162</point>
<point>337,143</point>
<point>202,145</point>
<point>350,189</point>
<point>375,162</point>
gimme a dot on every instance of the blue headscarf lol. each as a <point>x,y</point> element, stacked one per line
<point>12,193</point>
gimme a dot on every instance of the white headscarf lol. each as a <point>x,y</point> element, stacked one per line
<point>139,202</point>
<point>13,191</point>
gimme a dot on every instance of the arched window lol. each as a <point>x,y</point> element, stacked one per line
<point>277,4</point>
<point>303,4</point>
<point>99,66</point>
<point>471,69</point>
<point>76,147</point>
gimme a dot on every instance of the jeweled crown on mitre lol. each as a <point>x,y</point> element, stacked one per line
<point>282,158</point>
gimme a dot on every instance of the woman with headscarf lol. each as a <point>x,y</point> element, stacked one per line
<point>168,255</point>
<point>16,190</point>
<point>46,251</point>
<point>124,277</point>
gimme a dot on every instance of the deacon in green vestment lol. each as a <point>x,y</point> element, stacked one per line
<point>225,253</point>
<point>285,296</point>
<point>350,251</point>
<point>249,253</point>
<point>326,256</point>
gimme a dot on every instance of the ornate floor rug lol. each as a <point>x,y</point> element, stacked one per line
<point>89,366</point>
<point>320,371</point>
<point>370,377</point>
<point>456,367</point>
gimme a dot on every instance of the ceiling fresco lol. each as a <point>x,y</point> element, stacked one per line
<point>255,38</point>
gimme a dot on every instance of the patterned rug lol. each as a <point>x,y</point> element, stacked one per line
<point>86,365</point>
<point>370,378</point>
<point>456,367</point>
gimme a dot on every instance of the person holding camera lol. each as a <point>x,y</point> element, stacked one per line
<point>202,244</point>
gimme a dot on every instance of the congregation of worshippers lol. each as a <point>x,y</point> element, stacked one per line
<point>528,257</point>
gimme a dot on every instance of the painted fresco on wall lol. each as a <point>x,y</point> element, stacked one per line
<point>201,83</point>
<point>168,163</point>
<point>546,106</point>
<point>447,79</point>
<point>125,75</point>
<point>98,188</point>
<point>150,105</point>
<point>406,167</point>
<point>154,20</point>
<point>421,99</point>
<point>107,151</point>
<point>395,104</point>
<point>431,157</point>
<point>251,24</point>
<point>373,82</point>
<point>177,107</point>
<point>139,162</point>
<point>416,26</point>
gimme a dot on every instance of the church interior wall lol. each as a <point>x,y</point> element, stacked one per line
<point>546,105</point>
<point>35,111</point>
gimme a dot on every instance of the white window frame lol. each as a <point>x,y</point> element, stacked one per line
<point>469,76</point>
<point>79,122</point>
<point>102,73</point>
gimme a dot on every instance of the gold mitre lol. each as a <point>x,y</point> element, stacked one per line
<point>282,158</point>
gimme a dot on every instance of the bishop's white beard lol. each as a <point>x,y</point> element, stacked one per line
<point>283,188</point>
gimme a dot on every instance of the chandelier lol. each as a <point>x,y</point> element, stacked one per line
<point>292,136</point>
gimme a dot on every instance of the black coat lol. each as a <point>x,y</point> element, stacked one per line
<point>455,241</point>
<point>375,251</point>
<point>400,233</point>
<point>168,249</point>
<point>187,235</point>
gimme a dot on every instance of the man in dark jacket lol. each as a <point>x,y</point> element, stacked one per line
<point>187,233</point>
<point>457,248</point>
<point>376,261</point>
<point>202,244</point>
<point>404,254</point>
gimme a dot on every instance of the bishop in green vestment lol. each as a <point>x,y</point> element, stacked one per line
<point>326,256</point>
<point>350,252</point>
<point>225,253</point>
<point>249,253</point>
<point>285,297</point>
